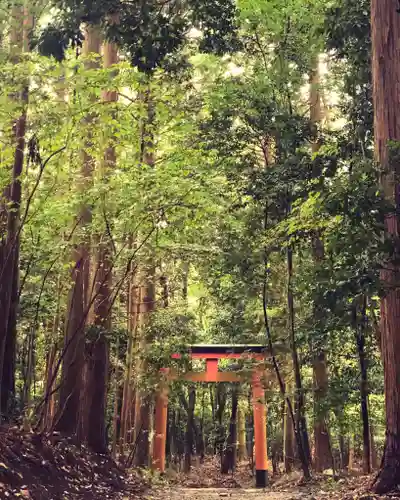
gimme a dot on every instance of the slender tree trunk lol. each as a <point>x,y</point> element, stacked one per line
<point>164,290</point>
<point>9,223</point>
<point>98,362</point>
<point>343,442</point>
<point>180,439</point>
<point>229,460</point>
<point>288,437</point>
<point>374,455</point>
<point>385,24</point>
<point>28,379</point>
<point>8,375</point>
<point>316,112</point>
<point>133,301</point>
<point>375,325</point>
<point>199,431</point>
<point>299,394</point>
<point>73,362</point>
<point>242,449</point>
<point>185,276</point>
<point>277,448</point>
<point>359,325</point>
<point>143,422</point>
<point>117,411</point>
<point>143,426</point>
<point>50,404</point>
<point>143,400</point>
<point>322,455</point>
<point>189,438</point>
<point>351,453</point>
<point>220,396</point>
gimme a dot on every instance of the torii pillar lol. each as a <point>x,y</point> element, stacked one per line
<point>160,428</point>
<point>260,431</point>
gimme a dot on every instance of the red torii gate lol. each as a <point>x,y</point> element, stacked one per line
<point>212,354</point>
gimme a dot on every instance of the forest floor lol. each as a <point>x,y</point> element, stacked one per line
<point>37,468</point>
<point>206,482</point>
<point>219,494</point>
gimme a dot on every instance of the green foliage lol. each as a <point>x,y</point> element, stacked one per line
<point>148,33</point>
<point>234,181</point>
<point>169,332</point>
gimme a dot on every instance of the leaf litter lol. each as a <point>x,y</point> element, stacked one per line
<point>39,467</point>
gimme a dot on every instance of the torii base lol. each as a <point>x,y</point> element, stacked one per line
<point>262,478</point>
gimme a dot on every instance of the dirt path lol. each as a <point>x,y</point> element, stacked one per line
<point>220,494</point>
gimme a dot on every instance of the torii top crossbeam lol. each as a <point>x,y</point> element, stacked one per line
<point>212,354</point>
<point>230,351</point>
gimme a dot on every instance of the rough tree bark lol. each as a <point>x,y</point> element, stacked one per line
<point>74,342</point>
<point>98,350</point>
<point>242,448</point>
<point>359,325</point>
<point>143,400</point>
<point>9,221</point>
<point>374,455</point>
<point>322,451</point>
<point>322,454</point>
<point>50,404</point>
<point>185,276</point>
<point>220,403</point>
<point>288,436</point>
<point>128,394</point>
<point>200,443</point>
<point>189,436</point>
<point>301,423</point>
<point>164,290</point>
<point>350,465</point>
<point>385,25</point>
<point>229,460</point>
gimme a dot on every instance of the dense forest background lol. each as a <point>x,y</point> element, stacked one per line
<point>180,172</point>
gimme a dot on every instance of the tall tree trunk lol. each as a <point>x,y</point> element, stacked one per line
<point>385,24</point>
<point>73,361</point>
<point>143,400</point>
<point>322,454</point>
<point>98,362</point>
<point>9,223</point>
